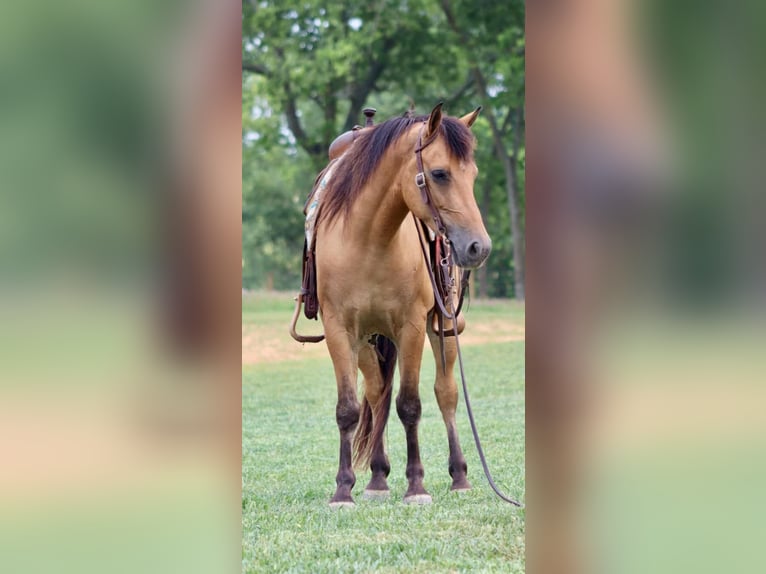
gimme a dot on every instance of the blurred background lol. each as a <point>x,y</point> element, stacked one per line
<point>132,215</point>
<point>645,286</point>
<point>120,156</point>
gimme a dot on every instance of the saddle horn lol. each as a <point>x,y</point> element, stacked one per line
<point>344,140</point>
<point>369,113</point>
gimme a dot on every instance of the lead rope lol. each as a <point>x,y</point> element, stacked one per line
<point>473,422</point>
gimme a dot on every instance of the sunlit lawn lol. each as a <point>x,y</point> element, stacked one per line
<point>289,460</point>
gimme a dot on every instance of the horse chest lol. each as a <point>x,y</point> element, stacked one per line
<point>382,309</point>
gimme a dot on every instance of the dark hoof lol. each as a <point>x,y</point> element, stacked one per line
<point>341,500</point>
<point>460,485</point>
<point>377,483</point>
<point>418,499</point>
<point>417,495</point>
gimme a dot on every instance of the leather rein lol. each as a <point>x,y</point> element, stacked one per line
<point>441,273</point>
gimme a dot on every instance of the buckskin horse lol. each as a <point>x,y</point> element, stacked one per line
<point>375,296</point>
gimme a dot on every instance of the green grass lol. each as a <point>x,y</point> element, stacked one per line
<point>289,458</point>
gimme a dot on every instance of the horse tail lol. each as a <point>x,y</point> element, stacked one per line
<point>372,424</point>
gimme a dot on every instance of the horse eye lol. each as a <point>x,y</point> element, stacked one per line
<point>440,175</point>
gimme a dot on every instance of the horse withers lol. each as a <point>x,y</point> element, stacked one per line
<point>375,297</point>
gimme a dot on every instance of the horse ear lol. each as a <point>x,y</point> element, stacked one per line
<point>468,119</point>
<point>435,119</point>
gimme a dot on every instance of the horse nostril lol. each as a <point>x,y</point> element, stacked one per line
<point>474,249</point>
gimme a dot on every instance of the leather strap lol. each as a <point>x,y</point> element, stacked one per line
<point>440,265</point>
<point>430,264</point>
<point>475,431</point>
<point>422,182</point>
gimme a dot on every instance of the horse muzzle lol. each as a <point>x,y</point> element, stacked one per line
<point>469,250</point>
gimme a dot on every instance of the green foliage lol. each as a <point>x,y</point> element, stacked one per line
<point>275,180</point>
<point>495,213</point>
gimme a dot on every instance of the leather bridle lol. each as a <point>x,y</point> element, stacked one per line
<point>440,265</point>
<point>422,182</point>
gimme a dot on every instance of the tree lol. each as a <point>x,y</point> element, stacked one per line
<point>323,61</point>
<point>492,38</point>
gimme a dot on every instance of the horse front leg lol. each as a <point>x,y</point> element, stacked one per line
<point>445,389</point>
<point>344,360</point>
<point>408,408</point>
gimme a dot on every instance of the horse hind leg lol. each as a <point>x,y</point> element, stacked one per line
<point>377,365</point>
<point>445,389</point>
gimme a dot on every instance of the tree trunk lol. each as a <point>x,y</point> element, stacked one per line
<point>482,278</point>
<point>511,187</point>
<point>513,202</point>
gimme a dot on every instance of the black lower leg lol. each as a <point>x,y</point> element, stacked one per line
<point>347,416</point>
<point>380,468</point>
<point>408,408</point>
<point>458,469</point>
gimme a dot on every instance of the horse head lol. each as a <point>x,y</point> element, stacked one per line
<point>445,148</point>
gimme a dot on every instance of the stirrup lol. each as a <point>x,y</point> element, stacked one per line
<point>294,322</point>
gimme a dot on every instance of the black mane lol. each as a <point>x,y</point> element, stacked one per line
<point>363,157</point>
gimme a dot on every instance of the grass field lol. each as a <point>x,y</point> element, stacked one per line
<point>289,458</point>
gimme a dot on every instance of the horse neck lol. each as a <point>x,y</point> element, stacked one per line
<point>380,209</point>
